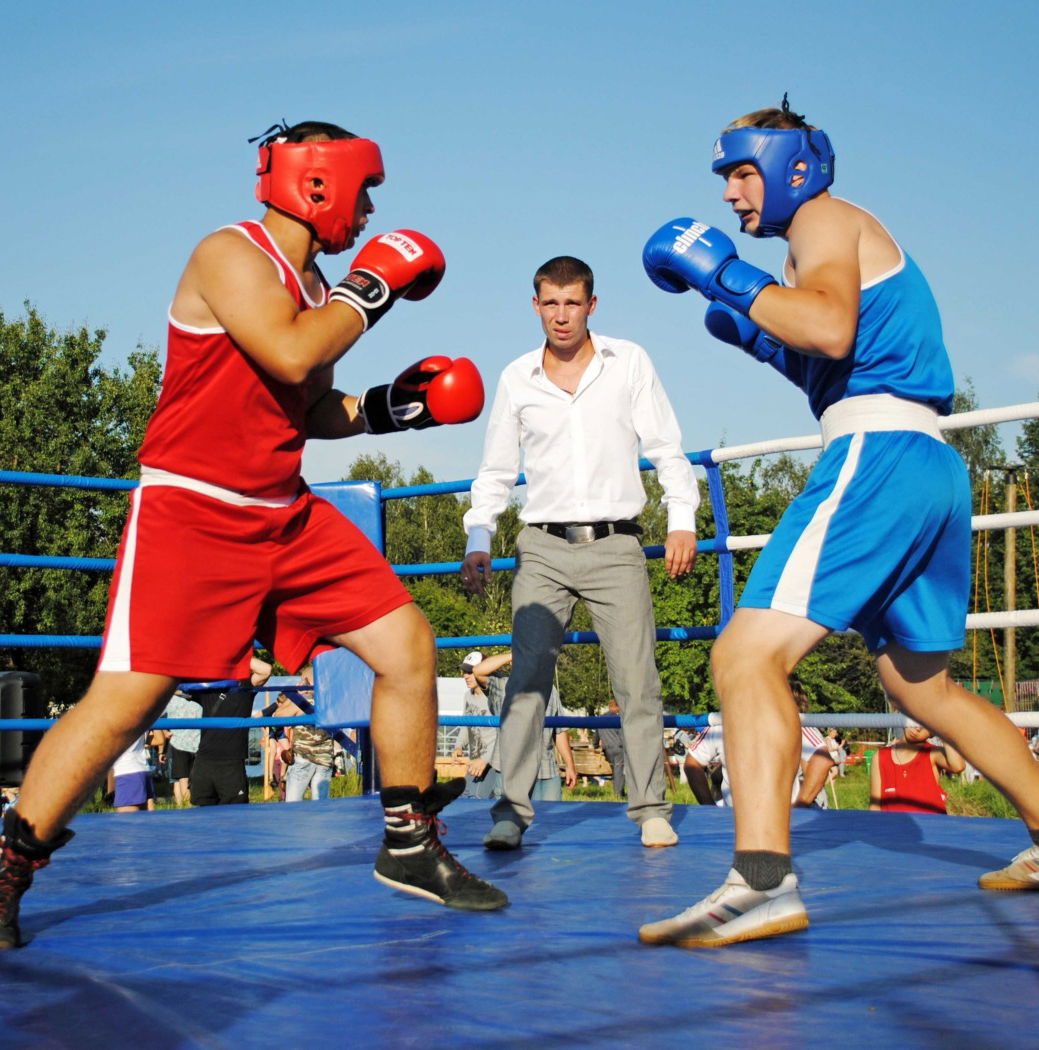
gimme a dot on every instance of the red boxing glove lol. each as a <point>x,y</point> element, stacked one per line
<point>394,265</point>
<point>433,391</point>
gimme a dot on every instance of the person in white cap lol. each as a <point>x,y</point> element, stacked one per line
<point>482,780</point>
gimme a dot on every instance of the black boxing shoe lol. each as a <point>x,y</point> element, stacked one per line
<point>414,860</point>
<point>22,855</point>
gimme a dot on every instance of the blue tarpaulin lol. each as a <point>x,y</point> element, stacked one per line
<point>261,926</point>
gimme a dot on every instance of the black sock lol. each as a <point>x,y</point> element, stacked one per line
<point>392,797</point>
<point>762,870</point>
<point>1034,832</point>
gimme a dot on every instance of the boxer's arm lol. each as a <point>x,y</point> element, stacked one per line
<point>332,414</point>
<point>733,328</point>
<point>820,316</point>
<point>431,392</point>
<point>229,283</point>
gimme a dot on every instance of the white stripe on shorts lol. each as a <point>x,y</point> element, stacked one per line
<point>116,655</point>
<point>794,588</point>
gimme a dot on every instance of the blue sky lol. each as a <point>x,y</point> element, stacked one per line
<point>512,133</point>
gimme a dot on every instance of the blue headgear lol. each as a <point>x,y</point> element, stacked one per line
<point>775,152</point>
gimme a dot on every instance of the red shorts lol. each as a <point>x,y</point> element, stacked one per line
<point>198,579</point>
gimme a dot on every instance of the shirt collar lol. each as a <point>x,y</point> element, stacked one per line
<point>600,348</point>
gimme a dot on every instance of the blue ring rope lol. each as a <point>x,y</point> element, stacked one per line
<point>716,545</point>
<point>552,722</point>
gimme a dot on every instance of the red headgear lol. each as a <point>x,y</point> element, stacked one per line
<point>319,182</point>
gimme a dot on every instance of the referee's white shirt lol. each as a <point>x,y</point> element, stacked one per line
<point>580,451</point>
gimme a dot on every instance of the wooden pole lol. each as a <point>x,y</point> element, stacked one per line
<point>668,771</point>
<point>1010,586</point>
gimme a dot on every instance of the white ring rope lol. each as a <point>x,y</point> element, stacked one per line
<point>875,720</point>
<point>979,522</point>
<point>960,421</point>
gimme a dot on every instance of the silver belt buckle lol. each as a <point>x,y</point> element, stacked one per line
<point>580,533</point>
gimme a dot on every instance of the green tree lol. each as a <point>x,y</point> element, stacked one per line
<point>979,446</point>
<point>983,654</point>
<point>428,530</point>
<point>984,455</point>
<point>61,412</point>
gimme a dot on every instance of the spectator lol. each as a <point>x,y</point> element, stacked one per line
<point>313,752</point>
<point>157,751</point>
<point>816,761</point>
<point>555,747</point>
<point>705,759</point>
<point>218,775</point>
<point>482,778</point>
<point>612,743</point>
<point>344,759</point>
<point>277,745</point>
<point>904,777</point>
<point>134,786</point>
<point>183,744</point>
<point>838,751</point>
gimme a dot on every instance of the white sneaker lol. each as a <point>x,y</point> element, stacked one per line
<point>504,835</point>
<point>734,912</point>
<point>658,833</point>
<point>1022,873</point>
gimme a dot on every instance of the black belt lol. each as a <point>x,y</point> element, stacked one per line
<point>585,532</point>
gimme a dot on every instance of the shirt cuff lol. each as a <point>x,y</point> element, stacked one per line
<point>479,540</point>
<point>681,518</point>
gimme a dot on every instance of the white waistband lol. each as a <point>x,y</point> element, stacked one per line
<point>154,476</point>
<point>855,415</point>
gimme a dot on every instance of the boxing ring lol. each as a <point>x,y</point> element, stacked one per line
<point>262,926</point>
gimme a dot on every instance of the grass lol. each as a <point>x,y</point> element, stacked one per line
<point>979,799</point>
<point>341,787</point>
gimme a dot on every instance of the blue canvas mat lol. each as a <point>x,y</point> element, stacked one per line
<point>261,926</point>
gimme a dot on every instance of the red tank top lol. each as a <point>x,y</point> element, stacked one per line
<point>912,787</point>
<point>220,418</point>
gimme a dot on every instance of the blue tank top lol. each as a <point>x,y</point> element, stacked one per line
<point>898,349</point>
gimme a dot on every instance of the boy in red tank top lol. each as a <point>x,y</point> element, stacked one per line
<point>904,775</point>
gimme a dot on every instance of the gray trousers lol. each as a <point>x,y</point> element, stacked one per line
<point>609,575</point>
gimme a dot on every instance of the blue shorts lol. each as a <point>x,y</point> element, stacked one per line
<point>878,541</point>
<point>133,789</point>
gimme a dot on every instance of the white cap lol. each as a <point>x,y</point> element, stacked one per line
<point>473,659</point>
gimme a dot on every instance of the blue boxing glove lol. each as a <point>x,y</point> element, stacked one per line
<point>731,327</point>
<point>686,254</point>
